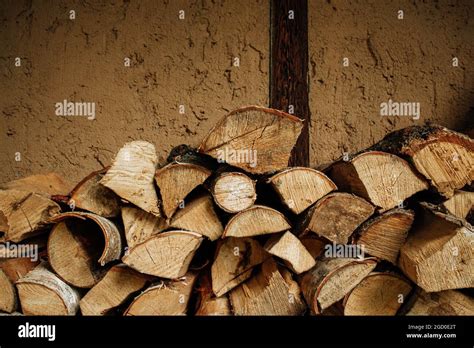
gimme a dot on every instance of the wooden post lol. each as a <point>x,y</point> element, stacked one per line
<point>289,68</point>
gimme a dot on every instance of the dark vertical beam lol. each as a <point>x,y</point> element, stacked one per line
<point>289,67</point>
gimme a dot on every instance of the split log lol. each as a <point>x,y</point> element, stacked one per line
<point>438,254</point>
<point>384,179</point>
<point>208,304</point>
<point>114,289</point>
<point>384,235</point>
<point>448,302</point>
<point>41,292</point>
<point>331,279</point>
<point>199,216</point>
<point>254,138</point>
<point>24,214</point>
<point>10,271</point>
<point>176,181</point>
<point>443,156</point>
<point>461,204</point>
<point>234,192</point>
<point>234,261</point>
<point>336,216</point>
<point>289,248</point>
<point>300,187</point>
<point>167,298</point>
<point>91,241</point>
<point>254,221</point>
<point>165,255</point>
<point>271,292</point>
<point>131,176</point>
<point>49,184</point>
<point>91,196</point>
<point>377,294</point>
<point>140,225</point>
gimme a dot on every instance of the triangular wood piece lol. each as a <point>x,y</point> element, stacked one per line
<point>438,254</point>
<point>131,176</point>
<point>176,181</point>
<point>140,225</point>
<point>208,304</point>
<point>443,156</point>
<point>256,220</point>
<point>113,290</point>
<point>377,294</point>
<point>23,213</point>
<point>331,279</point>
<point>445,303</point>
<point>49,184</point>
<point>300,187</point>
<point>336,216</point>
<point>289,248</point>
<point>166,298</point>
<point>57,298</point>
<point>254,138</point>
<point>384,235</point>
<point>165,255</point>
<point>91,196</point>
<point>235,258</point>
<point>461,204</point>
<point>199,216</point>
<point>384,179</point>
<point>270,292</point>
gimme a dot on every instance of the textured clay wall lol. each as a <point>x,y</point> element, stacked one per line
<point>406,60</point>
<point>173,62</point>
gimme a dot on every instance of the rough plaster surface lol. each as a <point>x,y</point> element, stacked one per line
<point>174,62</point>
<point>189,62</point>
<point>405,60</point>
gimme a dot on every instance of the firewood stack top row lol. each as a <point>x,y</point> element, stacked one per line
<point>229,229</point>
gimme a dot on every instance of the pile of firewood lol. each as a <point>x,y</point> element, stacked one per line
<point>229,229</point>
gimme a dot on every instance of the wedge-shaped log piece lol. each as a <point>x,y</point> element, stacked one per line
<point>336,216</point>
<point>41,292</point>
<point>199,216</point>
<point>438,254</point>
<point>448,302</point>
<point>166,255</point>
<point>166,298</point>
<point>140,225</point>
<point>131,176</point>
<point>91,196</point>
<point>79,244</point>
<point>271,292</point>
<point>176,181</point>
<point>384,179</point>
<point>114,289</point>
<point>234,191</point>
<point>289,248</point>
<point>256,220</point>
<point>377,294</point>
<point>331,279</point>
<point>254,138</point>
<point>384,235</point>
<point>461,204</point>
<point>49,184</point>
<point>10,271</point>
<point>234,261</point>
<point>208,304</point>
<point>300,187</point>
<point>443,156</point>
<point>23,213</point>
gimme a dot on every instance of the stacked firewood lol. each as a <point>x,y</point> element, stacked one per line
<point>229,229</point>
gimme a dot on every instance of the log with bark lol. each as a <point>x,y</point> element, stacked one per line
<point>194,238</point>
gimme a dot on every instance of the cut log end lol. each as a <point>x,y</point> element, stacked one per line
<point>234,192</point>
